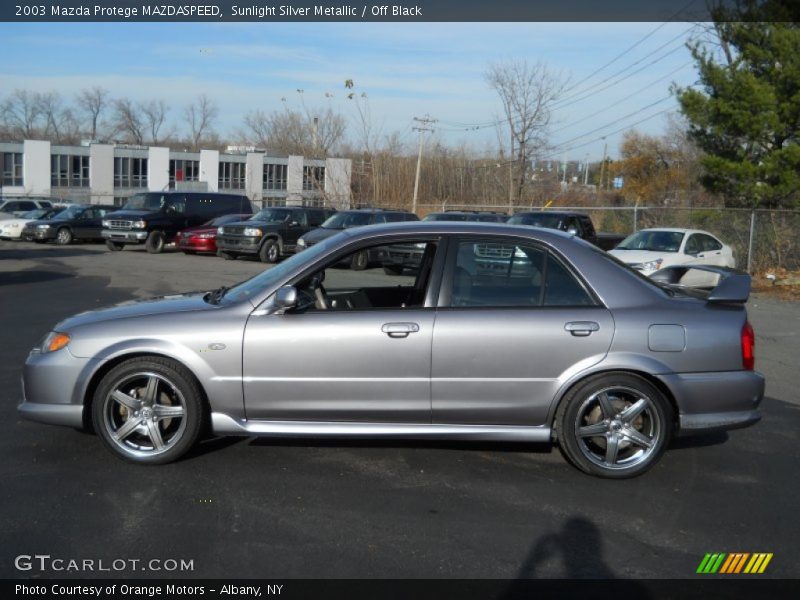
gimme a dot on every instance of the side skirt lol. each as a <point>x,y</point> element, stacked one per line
<point>222,424</point>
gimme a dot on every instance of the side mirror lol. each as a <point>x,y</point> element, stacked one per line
<point>572,231</point>
<point>285,298</point>
<point>293,223</point>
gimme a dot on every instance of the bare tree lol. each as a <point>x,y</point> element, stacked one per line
<point>60,126</point>
<point>92,102</point>
<point>155,113</point>
<point>128,120</point>
<point>527,92</point>
<point>200,116</point>
<point>293,132</point>
<point>21,114</point>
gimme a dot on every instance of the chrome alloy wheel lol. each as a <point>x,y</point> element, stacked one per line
<point>618,428</point>
<point>144,414</point>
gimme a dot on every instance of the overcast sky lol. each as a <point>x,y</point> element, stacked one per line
<point>406,69</point>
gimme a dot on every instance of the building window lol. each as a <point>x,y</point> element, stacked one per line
<point>130,172</point>
<point>69,171</point>
<point>183,170</point>
<point>313,178</point>
<point>231,176</point>
<point>275,177</point>
<point>12,168</point>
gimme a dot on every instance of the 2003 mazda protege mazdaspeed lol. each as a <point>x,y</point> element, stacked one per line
<point>499,333</point>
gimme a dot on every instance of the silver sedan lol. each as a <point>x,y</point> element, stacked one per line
<point>500,333</point>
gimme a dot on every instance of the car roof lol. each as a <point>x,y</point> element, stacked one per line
<point>677,230</point>
<point>456,227</point>
<point>561,213</point>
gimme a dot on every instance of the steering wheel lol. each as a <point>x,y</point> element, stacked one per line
<point>320,297</point>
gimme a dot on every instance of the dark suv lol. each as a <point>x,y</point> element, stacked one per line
<point>354,218</point>
<point>271,233</point>
<point>154,218</point>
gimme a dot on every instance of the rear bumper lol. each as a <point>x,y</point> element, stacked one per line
<point>130,237</point>
<point>716,401</point>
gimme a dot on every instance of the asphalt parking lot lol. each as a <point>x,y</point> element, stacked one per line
<point>243,507</point>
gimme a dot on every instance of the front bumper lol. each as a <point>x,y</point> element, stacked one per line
<point>238,244</point>
<point>38,234</point>
<point>124,235</point>
<point>195,245</point>
<point>53,386</point>
<point>716,401</point>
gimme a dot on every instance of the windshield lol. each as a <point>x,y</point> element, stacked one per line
<point>69,213</point>
<point>145,202</point>
<point>271,214</point>
<point>249,288</point>
<point>549,221</point>
<point>657,241</point>
<point>345,220</point>
<point>445,217</point>
<point>35,214</point>
<point>224,219</point>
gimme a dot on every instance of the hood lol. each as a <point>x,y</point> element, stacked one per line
<point>254,223</point>
<point>641,256</point>
<point>37,222</point>
<point>319,234</point>
<point>131,214</point>
<point>138,308</point>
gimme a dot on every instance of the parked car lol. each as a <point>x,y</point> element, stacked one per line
<point>354,218</point>
<point>203,238</point>
<point>18,207</point>
<point>575,223</point>
<point>11,229</point>
<point>649,250</point>
<point>270,234</point>
<point>574,348</point>
<point>155,218</point>
<point>78,222</point>
<point>467,215</point>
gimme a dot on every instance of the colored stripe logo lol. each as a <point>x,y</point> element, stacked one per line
<point>734,563</point>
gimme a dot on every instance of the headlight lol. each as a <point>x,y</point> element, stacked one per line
<point>106,223</point>
<point>205,236</point>
<point>301,243</point>
<point>252,231</point>
<point>139,224</point>
<point>43,227</point>
<point>220,230</point>
<point>653,265</point>
<point>54,340</point>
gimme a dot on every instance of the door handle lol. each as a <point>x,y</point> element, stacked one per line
<point>581,328</point>
<point>399,330</point>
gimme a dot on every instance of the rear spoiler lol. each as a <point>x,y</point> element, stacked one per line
<point>733,287</point>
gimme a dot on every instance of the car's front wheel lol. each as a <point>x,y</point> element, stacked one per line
<point>148,410</point>
<point>270,252</point>
<point>614,425</point>
<point>155,242</point>
<point>64,236</point>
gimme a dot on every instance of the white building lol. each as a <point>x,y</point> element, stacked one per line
<point>105,173</point>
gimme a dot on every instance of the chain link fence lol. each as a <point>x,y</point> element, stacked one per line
<point>762,239</point>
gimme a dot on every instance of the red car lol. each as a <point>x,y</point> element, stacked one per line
<point>203,238</point>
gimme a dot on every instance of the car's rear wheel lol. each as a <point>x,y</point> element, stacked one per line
<point>270,252</point>
<point>63,236</point>
<point>360,261</point>
<point>148,410</point>
<point>155,242</point>
<point>614,425</point>
<point>114,246</point>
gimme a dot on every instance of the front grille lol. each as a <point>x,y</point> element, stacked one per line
<point>119,224</point>
<point>233,230</point>
<point>493,251</point>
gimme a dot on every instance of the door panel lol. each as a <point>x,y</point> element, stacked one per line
<point>339,366</point>
<point>501,366</point>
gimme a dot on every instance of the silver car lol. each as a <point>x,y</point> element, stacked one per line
<point>502,333</point>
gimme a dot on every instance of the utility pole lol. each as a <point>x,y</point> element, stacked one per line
<point>586,171</point>
<point>422,129</point>
<point>603,165</point>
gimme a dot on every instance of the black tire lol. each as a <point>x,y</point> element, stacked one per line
<point>155,242</point>
<point>226,255</point>
<point>114,246</point>
<point>270,252</point>
<point>393,269</point>
<point>175,389</point>
<point>360,261</point>
<point>64,236</point>
<point>595,413</point>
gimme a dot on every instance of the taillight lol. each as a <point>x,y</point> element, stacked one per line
<point>748,347</point>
